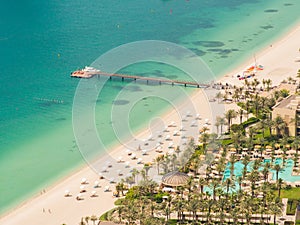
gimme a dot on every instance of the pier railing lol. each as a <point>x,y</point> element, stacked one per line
<point>135,78</point>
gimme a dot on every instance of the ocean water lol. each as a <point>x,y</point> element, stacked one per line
<point>41,42</point>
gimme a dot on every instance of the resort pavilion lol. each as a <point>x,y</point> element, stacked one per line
<point>174,179</point>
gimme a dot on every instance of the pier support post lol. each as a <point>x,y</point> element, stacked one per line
<point>172,84</point>
<point>147,81</point>
<point>185,84</point>
<point>159,82</point>
<point>122,78</point>
<point>110,77</point>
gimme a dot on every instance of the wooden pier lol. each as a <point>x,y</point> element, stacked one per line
<point>89,74</point>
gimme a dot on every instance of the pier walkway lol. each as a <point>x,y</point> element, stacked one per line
<point>90,74</point>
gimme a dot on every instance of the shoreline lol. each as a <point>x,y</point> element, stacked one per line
<point>265,52</point>
<point>282,39</point>
<point>87,169</point>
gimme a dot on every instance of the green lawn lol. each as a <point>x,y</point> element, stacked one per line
<point>293,193</point>
<point>291,207</point>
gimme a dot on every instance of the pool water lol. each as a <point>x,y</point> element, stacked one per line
<point>285,174</point>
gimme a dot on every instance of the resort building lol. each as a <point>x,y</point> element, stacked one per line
<point>289,110</point>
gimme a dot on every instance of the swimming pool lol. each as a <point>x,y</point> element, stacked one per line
<point>285,174</point>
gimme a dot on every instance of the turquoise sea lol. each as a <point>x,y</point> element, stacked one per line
<point>41,42</point>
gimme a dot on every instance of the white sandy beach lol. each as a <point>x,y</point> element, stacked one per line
<point>69,210</point>
<point>53,208</point>
<point>280,60</point>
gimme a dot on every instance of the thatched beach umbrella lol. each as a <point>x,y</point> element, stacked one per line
<point>175,179</point>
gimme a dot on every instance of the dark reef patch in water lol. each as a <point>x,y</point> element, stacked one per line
<point>120,102</point>
<point>61,119</point>
<point>220,51</point>
<point>235,49</point>
<point>267,27</point>
<point>133,88</point>
<point>206,25</point>
<point>117,87</point>
<point>172,77</point>
<point>198,51</point>
<point>45,104</point>
<point>288,4</point>
<point>209,44</point>
<point>271,10</point>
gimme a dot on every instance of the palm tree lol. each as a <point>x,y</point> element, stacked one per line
<point>221,204</point>
<point>241,113</point>
<point>120,210</point>
<point>265,171</point>
<point>277,168</point>
<point>264,83</point>
<point>166,211</point>
<point>130,211</point>
<point>82,222</point>
<point>229,115</point>
<point>298,74</point>
<point>177,151</point>
<point>296,143</point>
<point>214,183</point>
<point>209,205</point>
<point>158,160</point>
<point>253,177</point>
<point>228,184</point>
<point>236,95</point>
<point>93,219</point>
<point>217,124</point>
<point>232,161</point>
<point>245,163</point>
<point>239,181</point>
<point>204,138</point>
<point>219,96</point>
<point>220,166</point>
<point>247,84</point>
<point>202,182</point>
<point>290,80</point>
<point>193,206</point>
<point>247,106</point>
<point>264,190</point>
<point>269,122</point>
<point>87,219</point>
<point>178,204</point>
<point>221,122</point>
<point>255,83</point>
<point>135,173</point>
<point>279,125</point>
<point>263,124</point>
<point>279,186</point>
<point>275,208</point>
<point>268,83</point>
